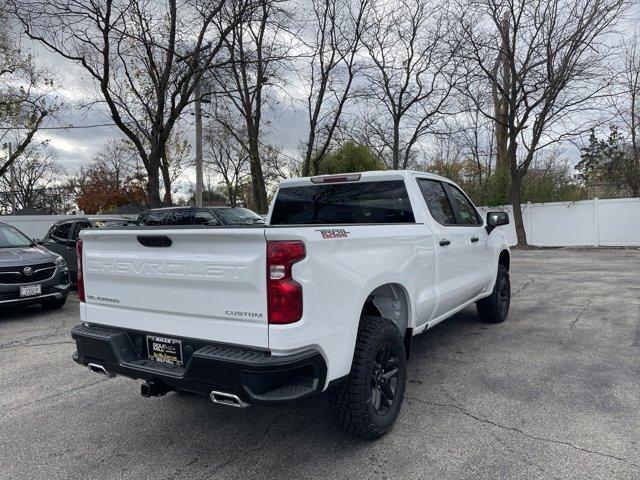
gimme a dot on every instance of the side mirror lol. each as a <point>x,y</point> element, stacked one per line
<point>37,241</point>
<point>496,219</point>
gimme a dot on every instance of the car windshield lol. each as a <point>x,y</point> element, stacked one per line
<point>239,216</point>
<point>11,237</point>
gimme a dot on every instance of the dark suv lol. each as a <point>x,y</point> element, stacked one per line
<point>30,273</point>
<point>210,216</point>
<point>62,236</point>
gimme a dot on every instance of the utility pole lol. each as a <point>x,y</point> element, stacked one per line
<point>198,112</point>
<point>12,183</point>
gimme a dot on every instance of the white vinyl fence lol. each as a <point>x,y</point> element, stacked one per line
<point>606,223</point>
<point>36,226</point>
<point>610,223</point>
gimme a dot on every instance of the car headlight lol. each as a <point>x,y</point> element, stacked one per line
<point>59,261</point>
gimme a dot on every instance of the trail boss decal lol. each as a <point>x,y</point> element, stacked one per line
<point>333,233</point>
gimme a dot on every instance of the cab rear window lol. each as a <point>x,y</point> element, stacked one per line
<point>343,203</point>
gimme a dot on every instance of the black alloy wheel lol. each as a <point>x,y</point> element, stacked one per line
<point>384,379</point>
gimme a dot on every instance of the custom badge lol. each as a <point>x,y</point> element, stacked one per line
<point>333,233</point>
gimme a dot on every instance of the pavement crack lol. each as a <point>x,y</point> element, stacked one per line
<point>580,312</point>
<point>255,448</point>
<point>636,337</point>
<point>54,395</point>
<point>528,282</point>
<point>278,417</point>
<point>534,465</point>
<point>30,345</point>
<point>523,433</point>
<point>48,335</point>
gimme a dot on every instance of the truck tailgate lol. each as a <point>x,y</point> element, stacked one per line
<point>208,284</point>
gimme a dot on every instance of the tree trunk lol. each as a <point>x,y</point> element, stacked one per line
<point>316,165</point>
<point>231,194</point>
<point>305,168</point>
<point>514,195</point>
<point>153,190</point>
<point>501,139</point>
<point>306,165</point>
<point>502,75</point>
<point>258,188</point>
<point>396,145</point>
<point>167,200</point>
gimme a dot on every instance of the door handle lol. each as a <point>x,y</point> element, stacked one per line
<point>444,243</point>
<point>474,239</point>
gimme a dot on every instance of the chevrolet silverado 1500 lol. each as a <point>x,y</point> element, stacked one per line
<point>326,297</point>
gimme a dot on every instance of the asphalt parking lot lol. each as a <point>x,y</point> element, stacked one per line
<point>552,393</point>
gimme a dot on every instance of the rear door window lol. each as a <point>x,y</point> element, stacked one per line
<point>437,201</point>
<point>343,203</point>
<point>61,232</point>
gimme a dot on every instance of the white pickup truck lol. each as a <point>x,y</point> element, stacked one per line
<point>325,297</point>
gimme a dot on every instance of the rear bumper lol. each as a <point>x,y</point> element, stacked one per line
<point>255,376</point>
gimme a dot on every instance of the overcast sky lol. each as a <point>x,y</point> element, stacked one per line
<point>77,146</point>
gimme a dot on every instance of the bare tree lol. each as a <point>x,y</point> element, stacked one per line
<point>501,81</point>
<point>35,178</point>
<point>146,58</point>
<point>26,95</point>
<point>626,102</point>
<point>115,177</point>
<point>256,50</point>
<point>228,159</point>
<point>412,75</point>
<point>334,62</point>
<point>278,166</point>
<point>552,56</point>
<point>175,158</point>
<point>476,137</point>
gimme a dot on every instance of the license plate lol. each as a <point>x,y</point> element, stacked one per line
<point>165,350</point>
<point>30,290</point>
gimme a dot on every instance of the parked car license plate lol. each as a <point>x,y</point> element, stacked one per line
<point>30,290</point>
<point>165,350</point>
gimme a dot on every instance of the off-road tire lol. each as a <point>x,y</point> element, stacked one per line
<point>495,308</point>
<point>353,401</point>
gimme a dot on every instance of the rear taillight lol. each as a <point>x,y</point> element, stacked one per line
<point>284,293</point>
<point>80,276</point>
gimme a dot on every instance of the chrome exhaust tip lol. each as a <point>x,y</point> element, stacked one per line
<point>99,369</point>
<point>227,399</point>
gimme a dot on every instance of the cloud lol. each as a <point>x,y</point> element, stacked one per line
<point>285,123</point>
